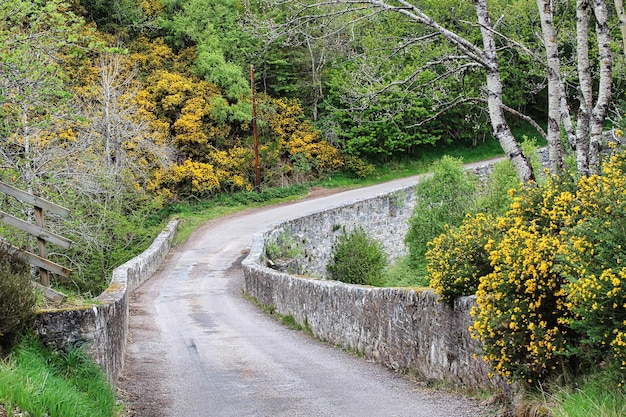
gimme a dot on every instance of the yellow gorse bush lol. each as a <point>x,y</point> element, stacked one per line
<point>521,305</point>
<point>189,179</point>
<point>457,259</point>
<point>592,258</point>
<point>556,299</point>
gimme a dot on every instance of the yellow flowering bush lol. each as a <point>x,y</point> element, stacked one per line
<point>457,259</point>
<point>295,141</point>
<point>592,258</point>
<point>522,309</point>
<point>188,180</point>
<point>556,299</point>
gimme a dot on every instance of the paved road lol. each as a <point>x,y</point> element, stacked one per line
<point>198,348</point>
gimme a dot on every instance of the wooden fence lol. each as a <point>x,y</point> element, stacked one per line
<point>37,230</point>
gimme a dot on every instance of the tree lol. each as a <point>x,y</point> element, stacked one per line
<point>443,200</point>
<point>211,27</point>
<point>479,42</point>
<point>33,98</point>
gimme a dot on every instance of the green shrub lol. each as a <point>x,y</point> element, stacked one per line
<point>357,259</point>
<point>358,167</point>
<point>457,259</point>
<point>283,251</point>
<point>442,199</point>
<point>495,197</point>
<point>403,273</point>
<point>17,298</point>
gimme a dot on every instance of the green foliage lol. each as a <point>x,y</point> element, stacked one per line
<point>457,259</point>
<point>403,273</point>
<point>17,298</point>
<point>495,198</point>
<point>212,27</point>
<point>44,382</point>
<point>283,247</point>
<point>358,167</point>
<point>356,258</point>
<point>599,394</point>
<point>117,16</point>
<point>442,199</point>
<point>106,232</point>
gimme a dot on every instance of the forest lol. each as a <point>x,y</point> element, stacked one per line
<point>118,109</point>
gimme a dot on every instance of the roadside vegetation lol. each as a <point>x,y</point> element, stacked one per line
<point>130,113</point>
<point>47,383</point>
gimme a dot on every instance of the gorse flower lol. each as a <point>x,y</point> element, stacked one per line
<point>554,288</point>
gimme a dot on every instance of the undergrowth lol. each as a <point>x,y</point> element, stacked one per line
<point>49,383</point>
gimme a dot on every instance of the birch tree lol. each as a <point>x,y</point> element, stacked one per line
<point>553,72</point>
<point>132,142</point>
<point>487,52</point>
<point>33,99</point>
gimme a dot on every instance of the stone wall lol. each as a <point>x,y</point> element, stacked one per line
<point>103,327</point>
<point>384,217</point>
<point>404,329</point>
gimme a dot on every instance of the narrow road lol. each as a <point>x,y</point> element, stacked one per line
<point>198,348</point>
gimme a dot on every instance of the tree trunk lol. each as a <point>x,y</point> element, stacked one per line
<point>619,7</point>
<point>566,118</point>
<point>585,88</point>
<point>555,149</point>
<point>600,110</point>
<point>499,124</point>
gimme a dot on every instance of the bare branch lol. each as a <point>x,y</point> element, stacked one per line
<point>464,100</point>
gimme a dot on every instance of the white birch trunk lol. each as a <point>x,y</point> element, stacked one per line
<point>600,110</point>
<point>585,87</point>
<point>566,119</point>
<point>499,125</point>
<point>555,149</point>
<point>621,14</point>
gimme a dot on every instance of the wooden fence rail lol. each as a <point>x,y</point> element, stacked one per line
<point>37,230</point>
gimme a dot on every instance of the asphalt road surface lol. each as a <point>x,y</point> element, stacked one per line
<point>198,348</point>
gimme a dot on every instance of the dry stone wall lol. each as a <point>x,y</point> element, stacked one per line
<point>385,218</point>
<point>405,329</point>
<point>103,327</point>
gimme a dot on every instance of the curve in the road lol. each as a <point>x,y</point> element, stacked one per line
<point>197,347</point>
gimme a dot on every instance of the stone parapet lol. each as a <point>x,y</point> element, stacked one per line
<point>102,328</point>
<point>405,329</point>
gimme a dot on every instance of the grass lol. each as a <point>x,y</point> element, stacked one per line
<point>48,383</point>
<point>194,214</point>
<point>600,394</point>
<point>403,274</point>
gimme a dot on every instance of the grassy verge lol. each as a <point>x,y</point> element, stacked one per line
<point>194,214</point>
<point>601,394</point>
<point>48,383</point>
<point>402,274</point>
